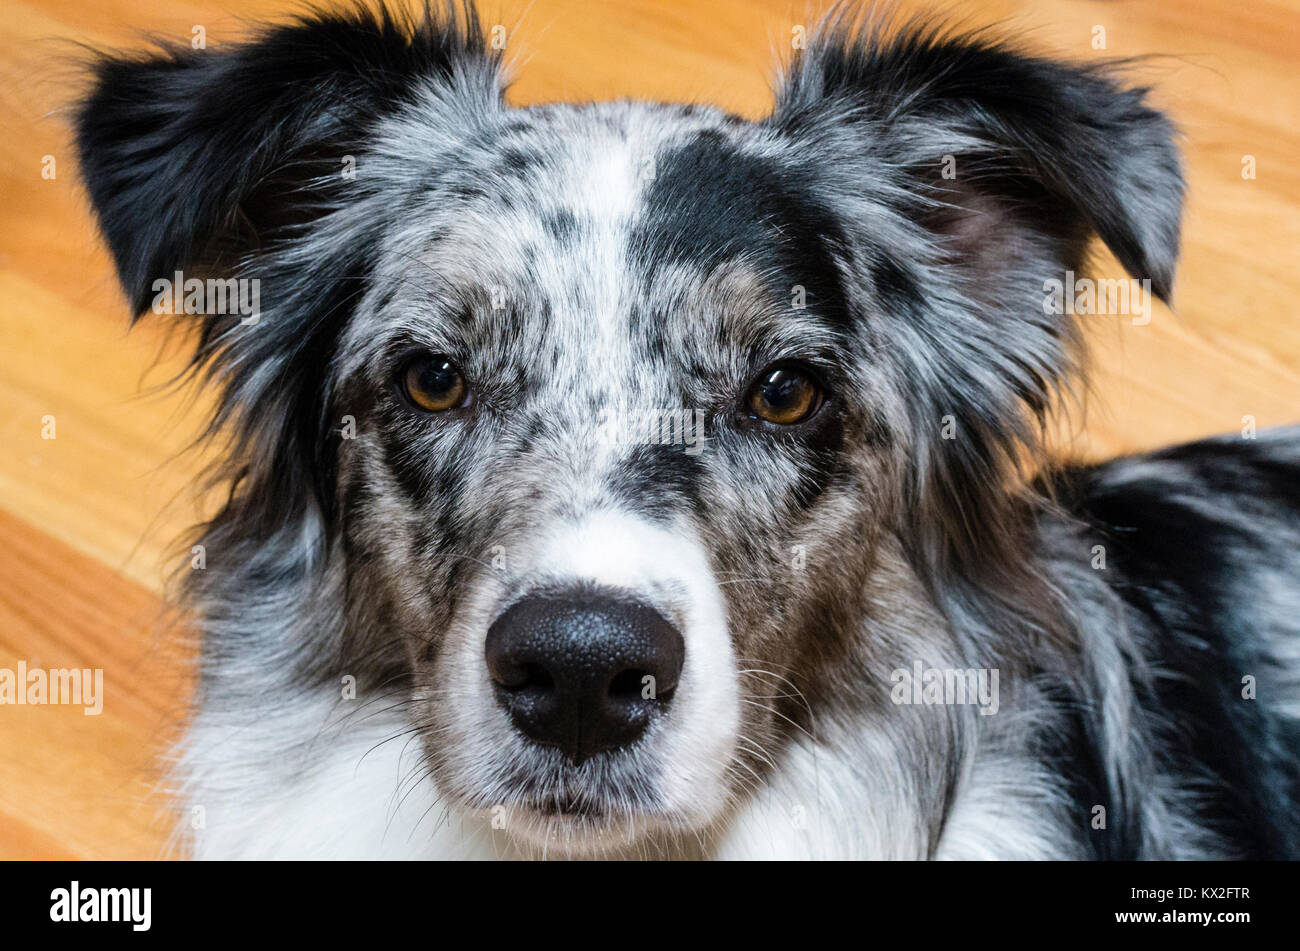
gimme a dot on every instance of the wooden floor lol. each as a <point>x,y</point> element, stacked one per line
<point>89,519</point>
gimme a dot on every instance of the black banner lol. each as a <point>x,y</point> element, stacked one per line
<point>529,902</point>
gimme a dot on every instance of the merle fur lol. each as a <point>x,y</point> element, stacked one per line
<point>924,302</point>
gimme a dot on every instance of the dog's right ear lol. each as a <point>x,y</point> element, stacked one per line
<point>231,164</point>
<point>194,157</point>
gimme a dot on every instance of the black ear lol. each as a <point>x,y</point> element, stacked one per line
<point>231,163</point>
<point>1066,143</point>
<point>192,157</point>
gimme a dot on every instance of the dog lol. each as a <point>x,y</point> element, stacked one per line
<point>634,480</point>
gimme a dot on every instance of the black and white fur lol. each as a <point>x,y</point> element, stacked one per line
<point>581,258</point>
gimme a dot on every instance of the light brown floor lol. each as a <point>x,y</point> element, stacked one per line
<point>88,519</point>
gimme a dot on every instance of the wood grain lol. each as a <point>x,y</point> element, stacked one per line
<point>89,518</point>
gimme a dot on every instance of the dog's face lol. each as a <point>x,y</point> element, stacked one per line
<point>596,367</point>
<point>612,418</point>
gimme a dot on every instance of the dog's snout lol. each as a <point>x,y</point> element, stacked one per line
<point>584,673</point>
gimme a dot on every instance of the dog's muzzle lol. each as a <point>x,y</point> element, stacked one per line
<point>583,671</point>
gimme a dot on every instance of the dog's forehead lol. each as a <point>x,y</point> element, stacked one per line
<point>612,234</point>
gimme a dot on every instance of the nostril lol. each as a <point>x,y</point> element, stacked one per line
<point>638,685</point>
<point>513,674</point>
<point>627,685</point>
<point>535,676</point>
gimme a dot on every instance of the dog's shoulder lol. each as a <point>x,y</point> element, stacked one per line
<point>1201,520</point>
<point>1202,544</point>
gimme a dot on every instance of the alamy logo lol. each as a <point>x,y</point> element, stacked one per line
<point>77,687</point>
<point>103,904</point>
<point>212,297</point>
<point>1110,297</point>
<point>654,427</point>
<point>946,685</point>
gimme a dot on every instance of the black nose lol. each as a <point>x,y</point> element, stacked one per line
<point>572,670</point>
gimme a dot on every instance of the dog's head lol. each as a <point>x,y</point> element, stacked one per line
<point>636,428</point>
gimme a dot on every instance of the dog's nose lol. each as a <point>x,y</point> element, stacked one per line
<point>584,672</point>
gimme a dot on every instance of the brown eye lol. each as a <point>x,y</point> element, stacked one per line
<point>434,384</point>
<point>784,395</point>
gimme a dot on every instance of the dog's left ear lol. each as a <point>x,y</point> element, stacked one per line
<point>969,176</point>
<point>990,136</point>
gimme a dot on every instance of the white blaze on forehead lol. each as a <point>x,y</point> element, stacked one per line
<point>610,177</point>
<point>588,280</point>
<point>601,187</point>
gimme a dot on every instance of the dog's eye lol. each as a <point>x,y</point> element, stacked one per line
<point>784,395</point>
<point>433,384</point>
